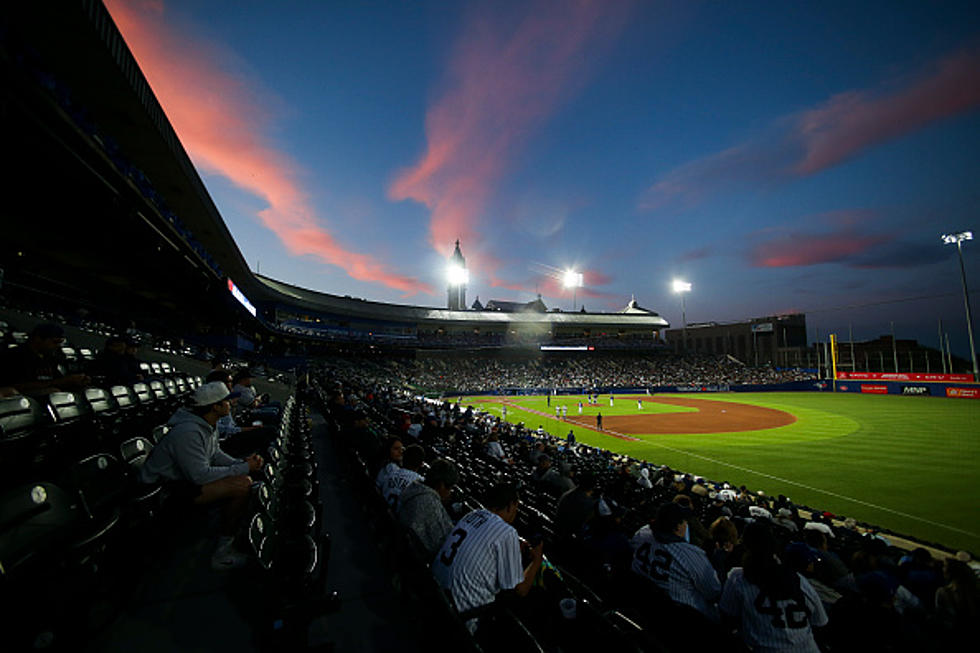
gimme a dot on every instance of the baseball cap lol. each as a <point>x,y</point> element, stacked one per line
<point>212,393</point>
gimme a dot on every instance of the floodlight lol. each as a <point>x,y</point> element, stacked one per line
<point>572,279</point>
<point>681,286</point>
<point>953,239</point>
<point>957,239</point>
<point>458,275</point>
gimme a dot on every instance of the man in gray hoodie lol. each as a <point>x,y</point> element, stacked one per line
<point>189,458</point>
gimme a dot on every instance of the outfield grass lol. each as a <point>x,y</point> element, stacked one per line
<point>909,464</point>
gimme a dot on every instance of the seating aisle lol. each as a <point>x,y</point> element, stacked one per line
<point>371,617</point>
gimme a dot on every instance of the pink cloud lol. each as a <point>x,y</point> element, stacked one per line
<point>221,122</point>
<point>807,249</point>
<point>837,130</point>
<point>502,83</point>
<point>851,122</point>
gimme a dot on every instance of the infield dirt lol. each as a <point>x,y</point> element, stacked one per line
<point>712,417</point>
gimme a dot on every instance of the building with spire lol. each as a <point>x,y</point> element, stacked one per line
<point>458,276</point>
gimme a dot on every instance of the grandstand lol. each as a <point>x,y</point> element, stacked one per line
<point>109,231</point>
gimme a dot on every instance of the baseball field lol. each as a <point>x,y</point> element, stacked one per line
<point>908,464</point>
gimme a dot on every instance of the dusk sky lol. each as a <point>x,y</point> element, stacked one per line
<point>780,156</point>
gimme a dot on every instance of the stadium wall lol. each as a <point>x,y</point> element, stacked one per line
<point>923,389</point>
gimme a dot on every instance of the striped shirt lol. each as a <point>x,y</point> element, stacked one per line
<point>481,557</point>
<point>769,625</point>
<point>680,569</point>
<point>397,480</point>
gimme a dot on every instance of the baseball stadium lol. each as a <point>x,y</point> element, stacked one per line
<point>197,456</point>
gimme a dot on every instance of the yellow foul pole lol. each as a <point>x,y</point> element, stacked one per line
<point>833,357</point>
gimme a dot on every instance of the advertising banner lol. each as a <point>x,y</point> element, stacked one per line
<point>903,376</point>
<point>874,389</point>
<point>963,393</point>
<point>915,391</point>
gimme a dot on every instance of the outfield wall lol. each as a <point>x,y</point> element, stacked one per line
<point>921,389</point>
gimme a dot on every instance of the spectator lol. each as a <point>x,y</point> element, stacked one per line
<point>482,556</point>
<point>421,506</point>
<point>392,451</point>
<point>189,459</point>
<point>401,477</point>
<point>784,519</point>
<point>576,507</point>
<point>258,406</point>
<point>238,440</point>
<point>958,602</point>
<point>33,367</point>
<point>830,569</point>
<point>111,366</point>
<point>720,545</point>
<point>644,479</point>
<point>774,606</point>
<point>680,569</point>
<point>494,449</point>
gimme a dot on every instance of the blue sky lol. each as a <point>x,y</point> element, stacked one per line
<point>779,156</point>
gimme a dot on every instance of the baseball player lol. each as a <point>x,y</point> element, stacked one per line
<point>482,555</point>
<point>776,607</point>
<point>598,421</point>
<point>564,411</point>
<point>679,568</point>
<point>580,408</point>
<point>557,411</point>
<point>639,404</point>
<point>611,401</point>
<point>505,411</point>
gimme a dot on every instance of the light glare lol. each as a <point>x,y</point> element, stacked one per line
<point>572,279</point>
<point>681,286</point>
<point>457,275</point>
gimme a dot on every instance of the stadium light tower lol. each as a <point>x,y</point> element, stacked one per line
<point>957,239</point>
<point>573,280</point>
<point>682,287</point>
<point>458,276</point>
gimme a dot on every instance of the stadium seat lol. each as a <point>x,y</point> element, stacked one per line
<point>158,432</point>
<point>73,429</point>
<point>23,435</point>
<point>37,520</point>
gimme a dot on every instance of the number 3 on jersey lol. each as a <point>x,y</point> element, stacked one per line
<point>460,535</point>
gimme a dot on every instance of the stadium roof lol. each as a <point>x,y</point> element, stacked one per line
<point>356,307</point>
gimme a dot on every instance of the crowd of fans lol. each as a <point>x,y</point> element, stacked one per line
<point>471,375</point>
<point>775,575</point>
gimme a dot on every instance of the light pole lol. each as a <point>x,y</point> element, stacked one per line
<point>573,280</point>
<point>949,239</point>
<point>682,287</point>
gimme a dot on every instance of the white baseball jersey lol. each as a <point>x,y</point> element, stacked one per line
<point>564,411</point>
<point>396,481</point>
<point>557,411</point>
<point>769,625</point>
<point>639,404</point>
<point>480,557</point>
<point>379,481</point>
<point>681,569</point>
<point>611,400</point>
